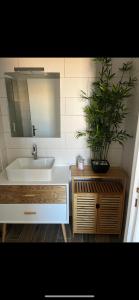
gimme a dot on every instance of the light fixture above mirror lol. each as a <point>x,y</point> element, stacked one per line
<point>24,73</point>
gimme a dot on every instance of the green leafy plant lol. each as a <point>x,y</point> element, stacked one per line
<point>106,108</point>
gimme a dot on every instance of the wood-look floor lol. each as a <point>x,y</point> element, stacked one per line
<point>51,233</point>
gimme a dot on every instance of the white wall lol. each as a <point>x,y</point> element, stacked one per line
<point>76,74</point>
<point>3,150</point>
<point>132,210</point>
<point>131,122</point>
<point>128,154</point>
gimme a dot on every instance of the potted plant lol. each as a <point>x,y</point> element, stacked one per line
<point>106,110</point>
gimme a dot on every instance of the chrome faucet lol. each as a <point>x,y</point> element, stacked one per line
<point>34,152</point>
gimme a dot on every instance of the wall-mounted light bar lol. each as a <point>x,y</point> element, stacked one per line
<point>29,69</point>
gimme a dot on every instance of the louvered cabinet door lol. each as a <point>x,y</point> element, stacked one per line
<point>84,213</point>
<point>109,213</point>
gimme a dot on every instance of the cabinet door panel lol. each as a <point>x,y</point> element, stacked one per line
<point>109,216</point>
<point>84,213</point>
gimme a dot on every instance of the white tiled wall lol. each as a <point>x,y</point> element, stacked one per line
<point>76,74</point>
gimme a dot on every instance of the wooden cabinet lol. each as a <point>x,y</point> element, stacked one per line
<point>98,200</point>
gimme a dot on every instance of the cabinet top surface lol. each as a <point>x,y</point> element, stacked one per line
<point>60,176</point>
<point>113,172</point>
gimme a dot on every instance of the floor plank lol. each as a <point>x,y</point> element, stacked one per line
<point>52,233</point>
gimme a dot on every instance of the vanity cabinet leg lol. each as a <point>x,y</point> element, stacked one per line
<point>4,226</point>
<point>64,232</point>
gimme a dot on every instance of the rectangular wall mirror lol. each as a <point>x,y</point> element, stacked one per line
<point>34,103</point>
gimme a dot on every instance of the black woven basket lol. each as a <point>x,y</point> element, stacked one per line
<point>100,166</point>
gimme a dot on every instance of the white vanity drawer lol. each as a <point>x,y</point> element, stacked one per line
<point>34,213</point>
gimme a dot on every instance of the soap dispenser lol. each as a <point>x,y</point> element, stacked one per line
<point>80,163</point>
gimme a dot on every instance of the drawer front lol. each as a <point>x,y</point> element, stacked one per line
<point>33,213</point>
<point>33,194</point>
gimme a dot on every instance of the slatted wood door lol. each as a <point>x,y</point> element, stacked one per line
<point>109,213</point>
<point>84,213</point>
<point>84,208</point>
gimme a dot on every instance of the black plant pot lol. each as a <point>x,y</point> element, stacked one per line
<point>100,166</point>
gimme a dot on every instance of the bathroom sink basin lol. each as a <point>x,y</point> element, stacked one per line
<point>29,169</point>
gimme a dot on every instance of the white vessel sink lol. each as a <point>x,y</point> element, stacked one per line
<point>29,169</point>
